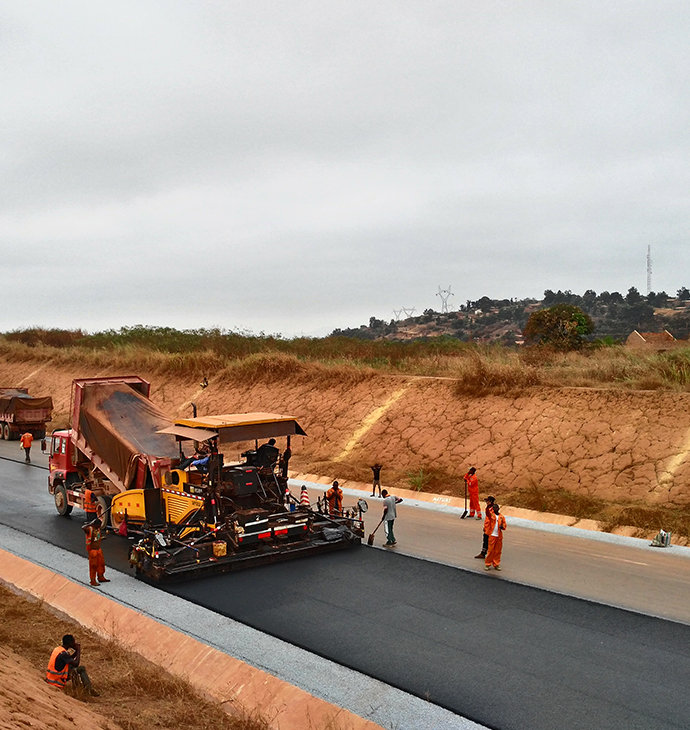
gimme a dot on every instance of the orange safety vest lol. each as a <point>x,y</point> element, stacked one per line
<point>26,440</point>
<point>93,539</point>
<point>334,497</point>
<point>89,506</point>
<point>57,679</point>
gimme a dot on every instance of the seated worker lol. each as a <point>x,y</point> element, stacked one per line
<point>267,454</point>
<point>64,666</point>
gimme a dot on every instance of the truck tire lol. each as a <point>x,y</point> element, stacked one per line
<point>103,510</point>
<point>61,504</point>
<point>5,431</point>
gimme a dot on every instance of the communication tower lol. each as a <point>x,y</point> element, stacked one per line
<point>649,269</point>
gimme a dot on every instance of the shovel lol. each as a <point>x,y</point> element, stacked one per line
<point>464,514</point>
<point>370,539</point>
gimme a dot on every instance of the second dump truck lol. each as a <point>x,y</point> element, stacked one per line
<point>21,413</point>
<point>210,515</point>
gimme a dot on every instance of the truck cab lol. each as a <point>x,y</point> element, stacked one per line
<point>61,460</point>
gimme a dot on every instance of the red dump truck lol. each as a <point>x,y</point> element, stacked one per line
<point>191,517</point>
<point>21,413</point>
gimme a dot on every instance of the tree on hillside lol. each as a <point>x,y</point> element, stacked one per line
<point>562,327</point>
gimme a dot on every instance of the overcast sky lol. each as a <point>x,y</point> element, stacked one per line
<point>295,166</point>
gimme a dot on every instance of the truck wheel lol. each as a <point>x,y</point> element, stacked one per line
<point>103,510</point>
<point>61,503</point>
<point>5,432</point>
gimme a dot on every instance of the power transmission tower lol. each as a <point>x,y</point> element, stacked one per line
<point>397,313</point>
<point>409,311</point>
<point>649,269</point>
<point>445,295</point>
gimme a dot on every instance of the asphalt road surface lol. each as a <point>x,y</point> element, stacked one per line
<point>506,655</point>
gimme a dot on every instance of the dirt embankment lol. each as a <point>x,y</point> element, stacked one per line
<point>615,445</point>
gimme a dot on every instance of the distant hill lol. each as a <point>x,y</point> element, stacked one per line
<point>488,320</point>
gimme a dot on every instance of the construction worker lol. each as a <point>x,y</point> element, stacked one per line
<point>267,454</point>
<point>26,439</point>
<point>284,461</point>
<point>389,514</point>
<point>377,479</point>
<point>90,505</point>
<point>487,528</point>
<point>497,525</point>
<point>304,498</point>
<point>334,499</point>
<point>473,491</point>
<point>64,666</point>
<point>93,547</point>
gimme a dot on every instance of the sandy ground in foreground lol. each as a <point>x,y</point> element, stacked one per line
<point>26,701</point>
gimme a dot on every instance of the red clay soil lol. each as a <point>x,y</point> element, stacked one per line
<point>616,445</point>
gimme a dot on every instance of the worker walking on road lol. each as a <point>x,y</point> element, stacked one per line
<point>389,514</point>
<point>497,526</point>
<point>487,528</point>
<point>334,500</point>
<point>26,439</point>
<point>93,547</point>
<point>473,491</point>
<point>64,666</point>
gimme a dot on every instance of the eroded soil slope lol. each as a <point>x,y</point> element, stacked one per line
<point>617,445</point>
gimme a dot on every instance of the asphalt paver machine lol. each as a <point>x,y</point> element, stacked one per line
<point>188,516</point>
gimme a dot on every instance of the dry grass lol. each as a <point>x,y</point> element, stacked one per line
<point>478,370</point>
<point>135,694</point>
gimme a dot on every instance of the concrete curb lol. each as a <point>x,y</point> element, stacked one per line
<point>209,670</point>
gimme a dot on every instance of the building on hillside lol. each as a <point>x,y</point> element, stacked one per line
<point>658,341</point>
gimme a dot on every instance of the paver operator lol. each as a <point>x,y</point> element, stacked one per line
<point>64,666</point>
<point>473,491</point>
<point>93,547</point>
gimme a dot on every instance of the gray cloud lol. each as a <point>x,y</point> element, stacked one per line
<point>297,167</point>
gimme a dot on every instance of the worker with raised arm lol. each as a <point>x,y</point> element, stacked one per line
<point>473,491</point>
<point>93,548</point>
<point>64,666</point>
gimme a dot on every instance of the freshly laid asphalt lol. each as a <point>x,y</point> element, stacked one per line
<point>505,655</point>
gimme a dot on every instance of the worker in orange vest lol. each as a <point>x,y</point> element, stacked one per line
<point>334,498</point>
<point>64,666</point>
<point>497,525</point>
<point>93,547</point>
<point>473,491</point>
<point>90,505</point>
<point>26,439</point>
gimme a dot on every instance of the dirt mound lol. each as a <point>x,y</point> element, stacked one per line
<point>616,445</point>
<point>27,701</point>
